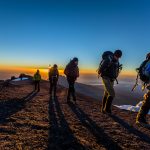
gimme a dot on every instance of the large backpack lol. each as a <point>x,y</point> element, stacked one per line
<point>53,73</point>
<point>142,72</point>
<point>109,56</point>
<point>106,55</point>
<point>71,70</point>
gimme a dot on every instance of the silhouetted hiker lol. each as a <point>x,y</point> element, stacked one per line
<point>21,76</point>
<point>53,78</point>
<point>37,79</point>
<point>72,73</point>
<point>144,75</point>
<point>109,70</point>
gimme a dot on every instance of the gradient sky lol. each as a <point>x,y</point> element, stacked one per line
<point>40,32</point>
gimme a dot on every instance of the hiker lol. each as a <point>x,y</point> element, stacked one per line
<point>109,70</point>
<point>37,79</point>
<point>72,73</point>
<point>21,76</point>
<point>53,78</point>
<point>144,75</point>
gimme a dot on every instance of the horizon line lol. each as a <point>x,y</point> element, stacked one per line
<point>30,69</point>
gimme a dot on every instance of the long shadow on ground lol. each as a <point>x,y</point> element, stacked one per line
<point>131,129</point>
<point>60,134</point>
<point>101,137</point>
<point>10,107</point>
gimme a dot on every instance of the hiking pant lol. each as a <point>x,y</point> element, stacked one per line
<point>141,116</point>
<point>37,85</point>
<point>53,86</point>
<point>71,90</point>
<point>109,94</point>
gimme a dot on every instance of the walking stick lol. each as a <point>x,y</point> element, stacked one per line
<point>136,83</point>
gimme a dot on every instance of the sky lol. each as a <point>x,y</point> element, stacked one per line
<point>36,33</point>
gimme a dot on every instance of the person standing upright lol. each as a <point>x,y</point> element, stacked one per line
<point>72,73</point>
<point>53,79</point>
<point>37,79</point>
<point>109,70</point>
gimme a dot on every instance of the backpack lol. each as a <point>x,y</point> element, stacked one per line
<point>143,72</point>
<point>109,55</point>
<point>105,55</point>
<point>53,74</point>
<point>71,70</point>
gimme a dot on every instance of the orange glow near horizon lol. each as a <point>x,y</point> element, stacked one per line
<point>44,71</point>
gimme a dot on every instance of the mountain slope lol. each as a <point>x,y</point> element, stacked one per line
<point>34,121</point>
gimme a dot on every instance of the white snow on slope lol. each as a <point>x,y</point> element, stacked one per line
<point>19,79</point>
<point>131,108</point>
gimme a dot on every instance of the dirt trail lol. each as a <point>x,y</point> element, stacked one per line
<point>34,121</point>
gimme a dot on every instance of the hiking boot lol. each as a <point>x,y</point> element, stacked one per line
<point>108,112</point>
<point>142,124</point>
<point>74,97</point>
<point>103,104</point>
<point>102,111</point>
<point>75,102</point>
<point>108,105</point>
<point>68,100</point>
<point>141,116</point>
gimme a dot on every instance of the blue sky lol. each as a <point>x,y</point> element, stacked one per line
<point>39,32</point>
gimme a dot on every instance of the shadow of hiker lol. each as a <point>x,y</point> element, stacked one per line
<point>7,131</point>
<point>131,129</point>
<point>10,107</point>
<point>60,134</point>
<point>101,137</point>
<point>4,84</point>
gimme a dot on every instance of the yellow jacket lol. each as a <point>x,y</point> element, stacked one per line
<point>37,77</point>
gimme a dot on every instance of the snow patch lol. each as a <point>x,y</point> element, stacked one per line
<point>131,108</point>
<point>19,79</point>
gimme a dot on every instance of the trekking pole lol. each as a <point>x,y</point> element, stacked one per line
<point>117,81</point>
<point>144,86</point>
<point>136,83</point>
<point>119,70</point>
<point>98,76</point>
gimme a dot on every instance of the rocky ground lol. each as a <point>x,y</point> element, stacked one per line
<point>33,121</point>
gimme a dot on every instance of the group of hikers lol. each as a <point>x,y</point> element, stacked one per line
<point>108,70</point>
<point>72,73</point>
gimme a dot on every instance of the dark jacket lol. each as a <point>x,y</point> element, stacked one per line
<point>53,73</point>
<point>110,68</point>
<point>72,71</point>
